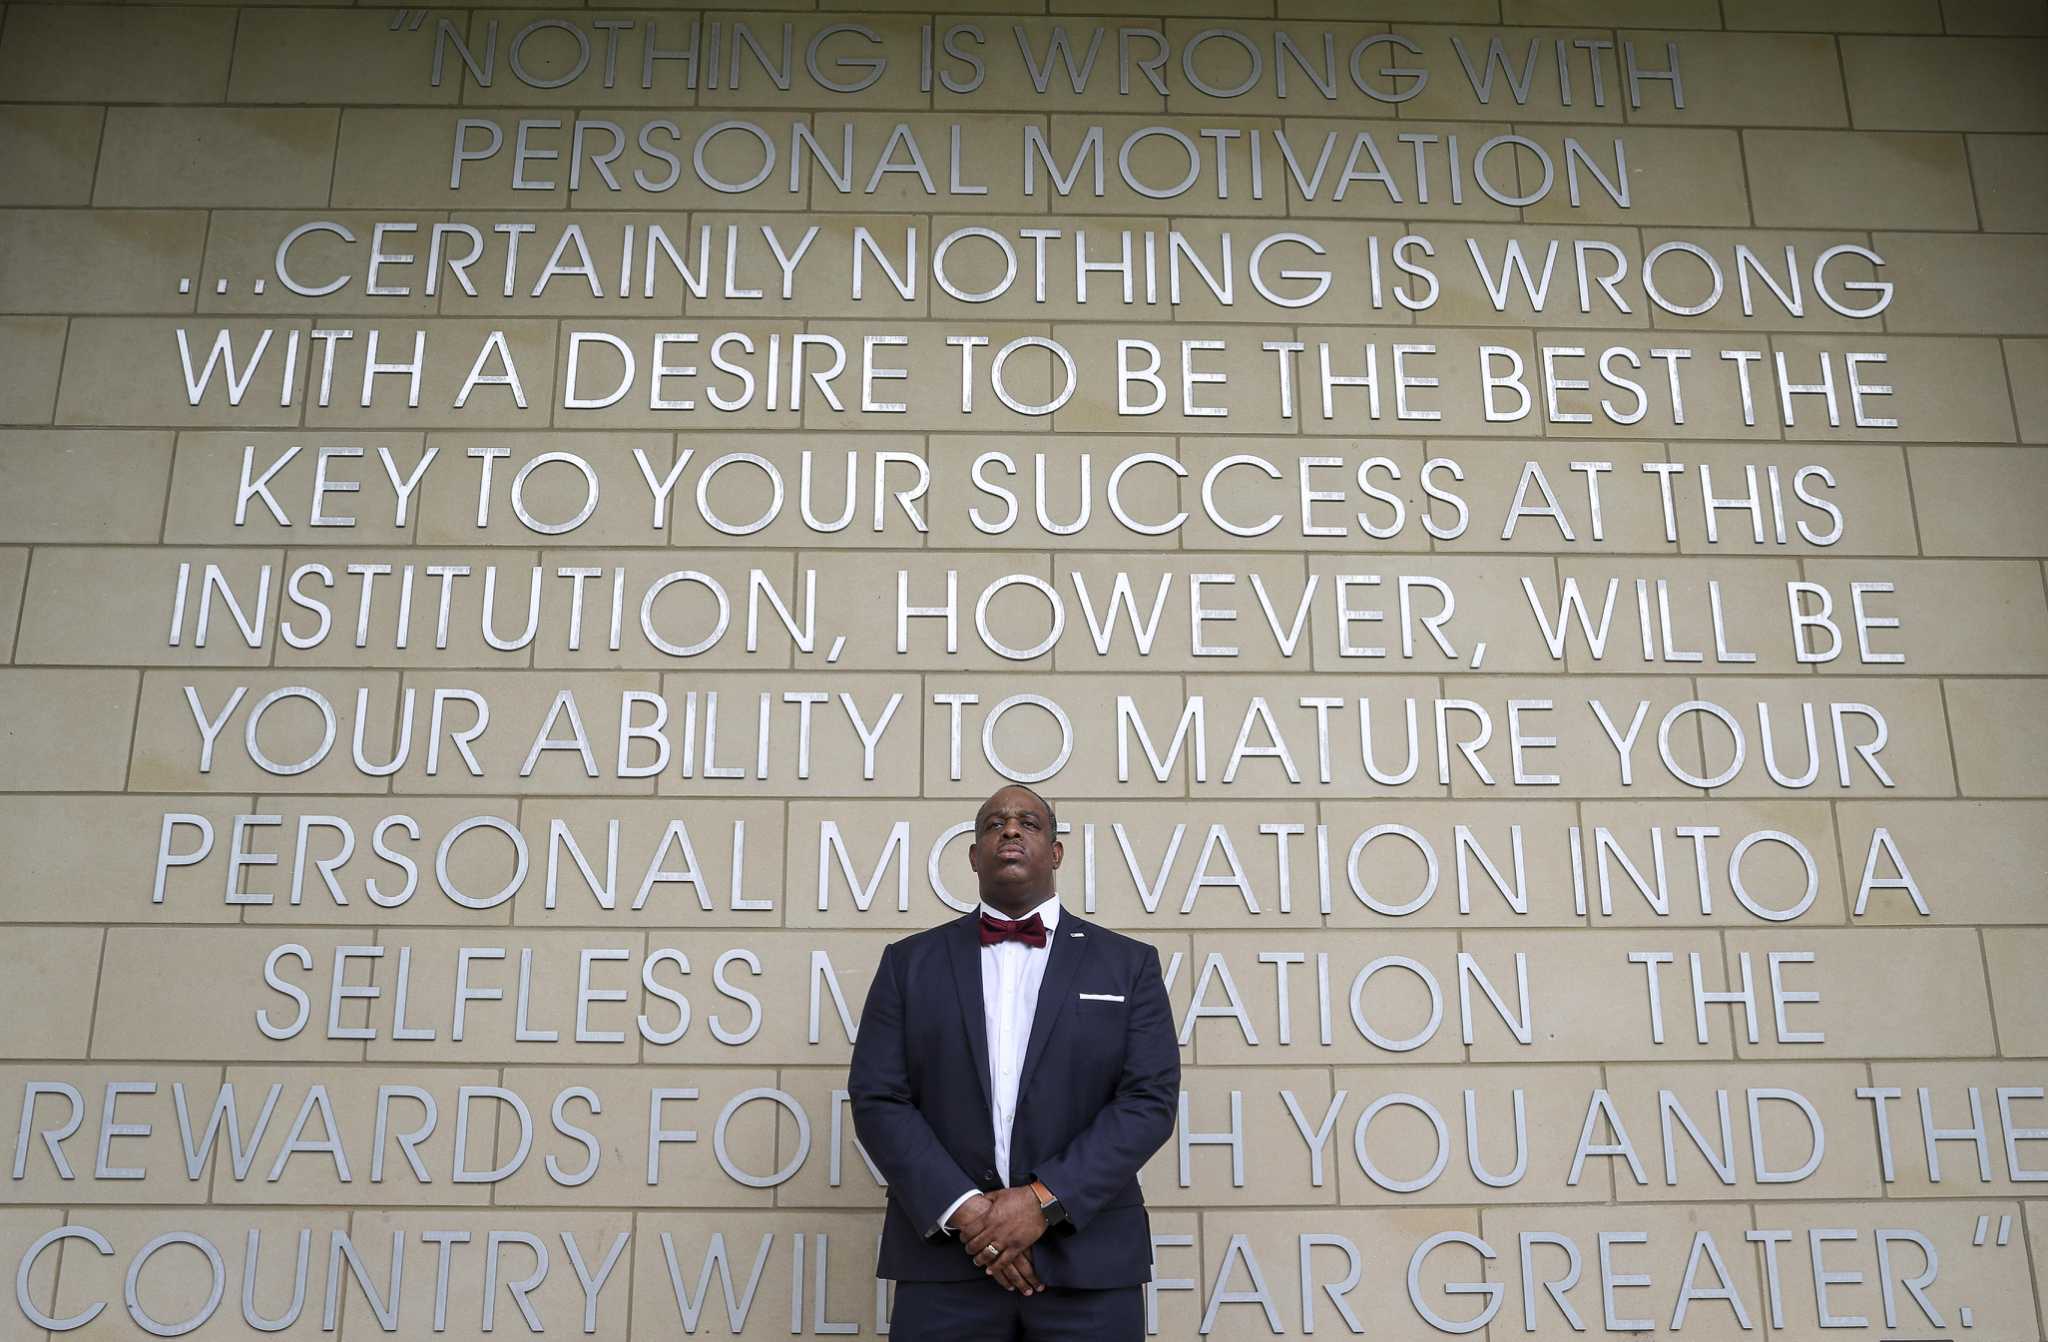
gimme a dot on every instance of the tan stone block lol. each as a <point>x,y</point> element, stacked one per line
<point>1589,1003</point>
<point>1382,1240</point>
<point>33,348</point>
<point>216,156</point>
<point>48,998</point>
<point>1680,1167</point>
<point>521,704</point>
<point>1274,1171</point>
<point>1466,79</point>
<point>484,1256</point>
<point>1684,14</point>
<point>1021,278</point>
<point>1744,636</point>
<point>174,1284</point>
<point>1914,755</point>
<point>2009,172</point>
<point>1442,187</point>
<point>1493,479</point>
<point>861,592</point>
<point>1884,993</point>
<point>1950,83</point>
<point>83,486</point>
<point>94,859</point>
<point>733,866</point>
<point>168,746</point>
<point>1992,16</point>
<point>402,157</point>
<point>1773,874</point>
<point>1449,11</point>
<point>312,1174</point>
<point>98,260</point>
<point>2013,958</point>
<point>1957,616</point>
<point>1988,283</point>
<point>51,153</point>
<point>688,394</point>
<point>1945,390</point>
<point>1027,739</point>
<point>20,1228</point>
<point>65,730</point>
<point>209,474</point>
<point>838,758</point>
<point>129,371</point>
<point>94,53</point>
<point>1240,625</point>
<point>1156,161</point>
<point>332,56</point>
<point>1868,488</point>
<point>991,156</point>
<point>2036,1226</point>
<point>13,576</point>
<point>1452,409</point>
<point>843,1241</point>
<point>553,494</point>
<point>1657,1264</point>
<point>1996,727</point>
<point>2026,363</point>
<point>1279,86</point>
<point>932,381</point>
<point>1481,601</point>
<point>691,1173</point>
<point>50,1113</point>
<point>1476,262</point>
<point>452,349</point>
<point>1992,1280</point>
<point>966,507</point>
<point>242,247</point>
<point>1688,178</point>
<point>1740,79</point>
<point>1386,999</point>
<point>1231,708</point>
<point>1247,497</point>
<point>776,1028</point>
<point>151,1007</point>
<point>1858,179</point>
<point>111,607</point>
<point>1973,861</point>
<point>1631,383</point>
<point>1835,16</point>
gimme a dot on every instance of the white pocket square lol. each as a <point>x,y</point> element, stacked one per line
<point>1102,997</point>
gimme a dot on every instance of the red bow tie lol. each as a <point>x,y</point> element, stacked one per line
<point>1030,931</point>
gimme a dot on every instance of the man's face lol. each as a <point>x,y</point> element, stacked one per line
<point>1014,853</point>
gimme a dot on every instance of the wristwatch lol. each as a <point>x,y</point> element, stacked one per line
<point>1049,1206</point>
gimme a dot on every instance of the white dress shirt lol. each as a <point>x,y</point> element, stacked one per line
<point>1011,973</point>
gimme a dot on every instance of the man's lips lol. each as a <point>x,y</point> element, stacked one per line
<point>1010,850</point>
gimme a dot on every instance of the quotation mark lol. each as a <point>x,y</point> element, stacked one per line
<point>1984,1226</point>
<point>418,17</point>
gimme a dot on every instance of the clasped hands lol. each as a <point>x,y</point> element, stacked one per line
<point>997,1230</point>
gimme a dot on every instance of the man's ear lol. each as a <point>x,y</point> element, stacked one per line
<point>1059,850</point>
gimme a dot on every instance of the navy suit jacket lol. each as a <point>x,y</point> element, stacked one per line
<point>1097,1095</point>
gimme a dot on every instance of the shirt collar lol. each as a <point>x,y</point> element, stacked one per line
<point>1048,912</point>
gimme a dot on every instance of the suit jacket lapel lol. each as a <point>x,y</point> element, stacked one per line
<point>1069,947</point>
<point>963,952</point>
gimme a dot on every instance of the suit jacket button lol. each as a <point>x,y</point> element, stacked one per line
<point>988,1176</point>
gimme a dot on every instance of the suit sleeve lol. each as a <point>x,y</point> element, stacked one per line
<point>922,1175</point>
<point>1106,1155</point>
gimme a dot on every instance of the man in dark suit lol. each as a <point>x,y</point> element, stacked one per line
<point>1014,1069</point>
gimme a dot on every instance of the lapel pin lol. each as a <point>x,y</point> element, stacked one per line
<point>1077,934</point>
